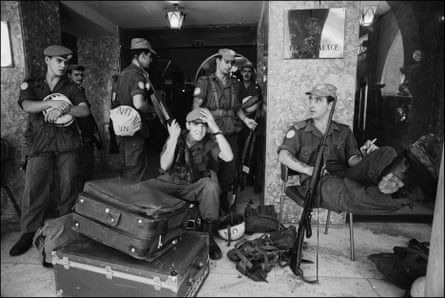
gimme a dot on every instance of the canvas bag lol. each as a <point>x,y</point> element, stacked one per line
<point>261,219</point>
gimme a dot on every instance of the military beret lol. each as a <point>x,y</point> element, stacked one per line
<point>58,50</point>
<point>227,54</point>
<point>247,65</point>
<point>141,44</point>
<point>323,90</point>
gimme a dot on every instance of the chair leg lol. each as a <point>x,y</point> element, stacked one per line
<point>280,215</point>
<point>351,236</point>
<point>326,226</point>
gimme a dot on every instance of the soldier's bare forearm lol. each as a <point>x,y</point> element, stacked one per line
<point>286,158</point>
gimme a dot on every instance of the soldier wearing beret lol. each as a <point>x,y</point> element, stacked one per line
<point>354,179</point>
<point>133,88</point>
<point>185,166</point>
<point>220,93</point>
<point>52,145</point>
<point>88,129</point>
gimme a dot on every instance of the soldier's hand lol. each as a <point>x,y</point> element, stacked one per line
<point>61,105</point>
<point>174,130</point>
<point>250,123</point>
<point>207,117</point>
<point>368,147</point>
<point>52,115</point>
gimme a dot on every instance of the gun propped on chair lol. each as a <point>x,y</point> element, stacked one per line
<point>304,226</point>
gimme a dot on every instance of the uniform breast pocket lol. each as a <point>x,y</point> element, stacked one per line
<point>306,153</point>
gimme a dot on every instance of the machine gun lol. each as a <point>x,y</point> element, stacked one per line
<point>304,225</point>
<point>243,167</point>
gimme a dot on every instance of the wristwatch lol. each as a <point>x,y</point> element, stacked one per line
<point>217,133</point>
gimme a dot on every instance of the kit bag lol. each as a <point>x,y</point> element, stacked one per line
<point>261,219</point>
<point>131,217</point>
<point>55,233</point>
<point>405,264</point>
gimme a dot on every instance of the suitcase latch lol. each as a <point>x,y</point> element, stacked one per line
<point>108,272</point>
<point>160,244</point>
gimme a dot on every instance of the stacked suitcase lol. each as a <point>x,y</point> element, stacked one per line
<point>130,217</point>
<point>136,244</point>
<point>86,268</point>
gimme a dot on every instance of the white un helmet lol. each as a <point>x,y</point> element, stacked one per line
<point>65,119</point>
<point>126,120</point>
<point>232,224</point>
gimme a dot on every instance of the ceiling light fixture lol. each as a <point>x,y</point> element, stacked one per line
<point>367,15</point>
<point>175,17</point>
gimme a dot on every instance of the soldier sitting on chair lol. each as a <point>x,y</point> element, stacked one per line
<point>184,163</point>
<point>359,180</point>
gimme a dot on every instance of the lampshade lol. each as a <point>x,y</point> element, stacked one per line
<point>367,15</point>
<point>175,18</point>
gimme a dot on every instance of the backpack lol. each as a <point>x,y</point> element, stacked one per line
<point>55,233</point>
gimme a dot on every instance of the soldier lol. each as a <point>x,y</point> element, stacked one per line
<point>134,89</point>
<point>52,142</point>
<point>88,128</point>
<point>220,93</point>
<point>184,162</point>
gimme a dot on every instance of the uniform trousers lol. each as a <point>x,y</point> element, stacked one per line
<point>134,157</point>
<point>36,196</point>
<point>205,191</point>
<point>86,162</point>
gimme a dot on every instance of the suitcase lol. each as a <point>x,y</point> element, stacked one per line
<point>130,217</point>
<point>89,269</point>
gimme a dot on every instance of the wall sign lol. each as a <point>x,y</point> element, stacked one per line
<point>314,33</point>
<point>6,46</point>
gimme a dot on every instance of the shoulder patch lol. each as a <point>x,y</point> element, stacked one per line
<point>300,124</point>
<point>197,91</point>
<point>141,85</point>
<point>147,86</point>
<point>290,134</point>
<point>24,86</point>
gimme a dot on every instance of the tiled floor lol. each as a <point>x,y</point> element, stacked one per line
<point>338,275</point>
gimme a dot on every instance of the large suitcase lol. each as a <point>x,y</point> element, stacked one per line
<point>130,217</point>
<point>89,269</point>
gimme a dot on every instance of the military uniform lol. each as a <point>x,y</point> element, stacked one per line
<point>223,102</point>
<point>48,146</point>
<point>189,177</point>
<point>132,81</point>
<point>344,189</point>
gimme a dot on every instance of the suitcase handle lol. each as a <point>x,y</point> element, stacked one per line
<point>113,216</point>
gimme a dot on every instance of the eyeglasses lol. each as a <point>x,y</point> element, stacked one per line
<point>78,74</point>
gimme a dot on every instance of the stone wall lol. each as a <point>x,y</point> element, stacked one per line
<point>288,80</point>
<point>100,56</point>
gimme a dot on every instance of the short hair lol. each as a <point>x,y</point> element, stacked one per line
<point>76,67</point>
<point>330,98</point>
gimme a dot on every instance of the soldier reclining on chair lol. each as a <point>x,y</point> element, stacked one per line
<point>359,180</point>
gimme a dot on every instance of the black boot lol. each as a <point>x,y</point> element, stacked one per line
<point>214,250</point>
<point>22,246</point>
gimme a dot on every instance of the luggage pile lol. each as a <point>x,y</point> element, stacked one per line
<point>136,242</point>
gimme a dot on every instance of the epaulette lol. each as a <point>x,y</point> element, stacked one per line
<point>300,124</point>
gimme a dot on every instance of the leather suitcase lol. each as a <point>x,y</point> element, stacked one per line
<point>86,268</point>
<point>130,217</point>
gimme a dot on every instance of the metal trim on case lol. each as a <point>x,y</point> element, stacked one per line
<point>170,284</point>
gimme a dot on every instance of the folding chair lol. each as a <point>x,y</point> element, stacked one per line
<point>295,196</point>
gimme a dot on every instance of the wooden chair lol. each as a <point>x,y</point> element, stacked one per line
<point>294,195</point>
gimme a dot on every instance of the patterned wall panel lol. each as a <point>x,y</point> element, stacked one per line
<point>100,55</point>
<point>41,28</point>
<point>13,119</point>
<point>289,79</point>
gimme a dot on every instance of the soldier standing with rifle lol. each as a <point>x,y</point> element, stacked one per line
<point>320,148</point>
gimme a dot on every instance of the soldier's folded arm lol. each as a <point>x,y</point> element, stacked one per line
<point>34,107</point>
<point>289,160</point>
<point>80,110</point>
<point>142,104</point>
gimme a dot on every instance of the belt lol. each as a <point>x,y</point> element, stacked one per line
<point>220,112</point>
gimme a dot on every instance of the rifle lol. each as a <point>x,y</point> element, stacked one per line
<point>243,167</point>
<point>160,107</point>
<point>304,225</point>
<point>114,148</point>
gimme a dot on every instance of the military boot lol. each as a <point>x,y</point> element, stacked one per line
<point>214,250</point>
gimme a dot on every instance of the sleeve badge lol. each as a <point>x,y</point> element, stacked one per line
<point>24,86</point>
<point>290,134</point>
<point>197,91</point>
<point>141,85</point>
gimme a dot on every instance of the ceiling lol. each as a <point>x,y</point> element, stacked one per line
<point>92,18</point>
<point>140,15</point>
